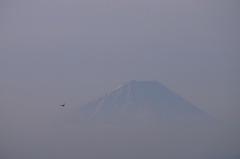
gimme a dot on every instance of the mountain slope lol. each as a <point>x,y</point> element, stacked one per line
<point>138,102</point>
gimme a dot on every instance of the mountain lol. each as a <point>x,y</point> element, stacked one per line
<point>141,120</point>
<point>138,102</point>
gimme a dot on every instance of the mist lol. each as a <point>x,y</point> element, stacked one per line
<point>135,142</point>
<point>57,51</point>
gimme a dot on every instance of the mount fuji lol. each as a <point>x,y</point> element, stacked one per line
<point>138,102</point>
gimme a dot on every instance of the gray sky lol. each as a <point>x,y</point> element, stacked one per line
<point>55,51</point>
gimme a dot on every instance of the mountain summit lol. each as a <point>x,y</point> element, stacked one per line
<point>137,102</point>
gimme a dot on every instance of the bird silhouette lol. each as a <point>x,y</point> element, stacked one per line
<point>63,105</point>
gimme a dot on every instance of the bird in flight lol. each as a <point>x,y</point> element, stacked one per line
<point>63,105</point>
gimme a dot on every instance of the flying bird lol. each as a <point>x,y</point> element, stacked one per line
<point>63,105</point>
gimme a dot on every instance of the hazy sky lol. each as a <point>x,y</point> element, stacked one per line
<point>55,51</point>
